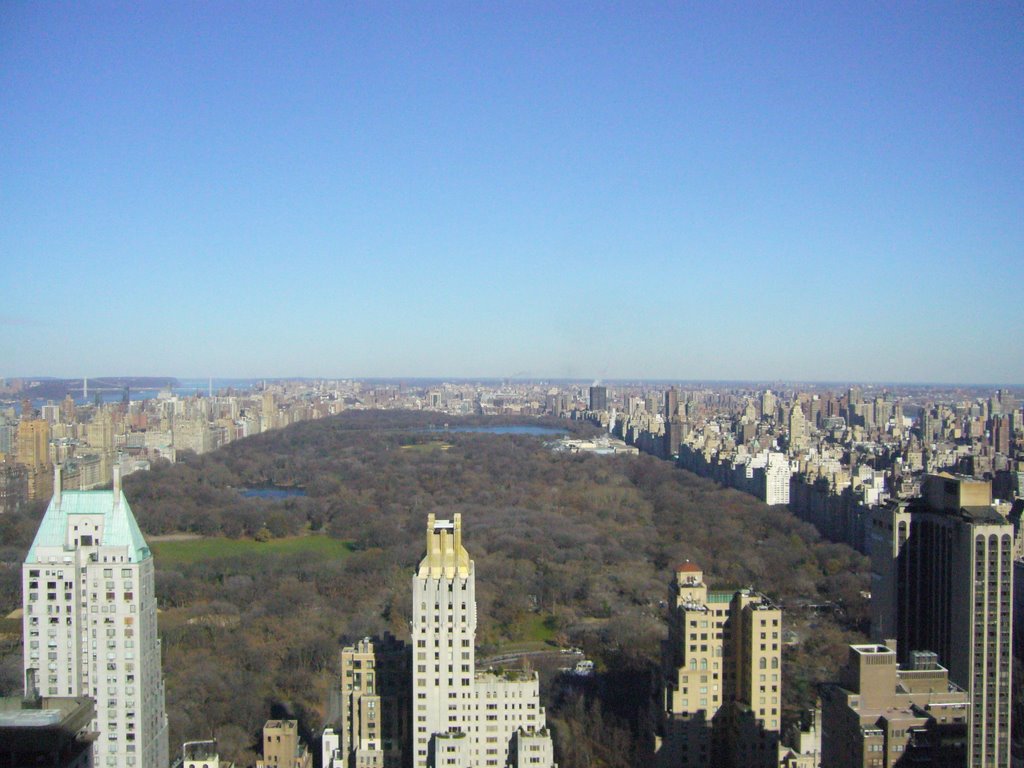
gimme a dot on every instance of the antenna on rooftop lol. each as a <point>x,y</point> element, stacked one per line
<point>117,482</point>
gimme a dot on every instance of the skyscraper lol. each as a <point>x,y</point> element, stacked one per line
<point>671,403</point>
<point>1002,432</point>
<point>461,718</point>
<point>774,479</point>
<point>90,625</point>
<point>598,398</point>
<point>673,437</point>
<point>797,427</point>
<point>33,451</point>
<point>942,581</point>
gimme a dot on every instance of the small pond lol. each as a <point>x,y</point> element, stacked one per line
<point>273,494</point>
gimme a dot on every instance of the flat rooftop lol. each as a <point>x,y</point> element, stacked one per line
<point>14,713</point>
<point>870,649</point>
<point>200,750</point>
<point>982,515</point>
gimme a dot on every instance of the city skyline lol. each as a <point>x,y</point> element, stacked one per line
<point>110,386</point>
<point>819,193</point>
<point>274,543</point>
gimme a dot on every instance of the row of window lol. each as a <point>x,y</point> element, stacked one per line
<point>437,643</point>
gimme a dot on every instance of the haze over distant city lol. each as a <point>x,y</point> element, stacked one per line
<point>379,190</point>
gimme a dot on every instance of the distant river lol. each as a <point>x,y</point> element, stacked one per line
<point>185,388</point>
<point>274,494</point>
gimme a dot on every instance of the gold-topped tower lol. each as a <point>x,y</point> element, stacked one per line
<point>446,557</point>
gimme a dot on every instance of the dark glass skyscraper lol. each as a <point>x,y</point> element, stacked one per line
<point>942,569</point>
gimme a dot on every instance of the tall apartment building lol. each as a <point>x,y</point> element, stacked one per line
<point>673,437</point>
<point>722,677</point>
<point>13,487</point>
<point>798,429</point>
<point>8,438</point>
<point>33,452</point>
<point>671,404</point>
<point>90,626</point>
<point>881,714</point>
<point>33,442</point>
<point>268,413</point>
<point>774,479</point>
<point>1002,434</point>
<point>374,722</point>
<point>461,718</point>
<point>598,398</point>
<point>942,581</point>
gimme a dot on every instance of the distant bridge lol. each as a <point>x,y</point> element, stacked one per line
<point>103,385</point>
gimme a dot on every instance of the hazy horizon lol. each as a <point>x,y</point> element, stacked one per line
<point>201,382</point>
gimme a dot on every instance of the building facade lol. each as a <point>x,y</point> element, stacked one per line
<point>202,754</point>
<point>46,732</point>
<point>671,403</point>
<point>722,677</point>
<point>942,570</point>
<point>881,714</point>
<point>375,705</point>
<point>13,487</point>
<point>775,479</point>
<point>90,626</point>
<point>461,718</point>
<point>282,747</point>
<point>33,452</point>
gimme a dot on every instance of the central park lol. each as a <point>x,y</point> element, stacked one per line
<point>258,592</point>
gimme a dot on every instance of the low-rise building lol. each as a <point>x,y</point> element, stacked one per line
<point>52,732</point>
<point>202,754</point>
<point>282,747</point>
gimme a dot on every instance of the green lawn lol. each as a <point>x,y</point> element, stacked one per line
<point>10,627</point>
<point>170,553</point>
<point>537,629</point>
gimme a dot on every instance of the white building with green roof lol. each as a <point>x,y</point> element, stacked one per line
<point>90,626</point>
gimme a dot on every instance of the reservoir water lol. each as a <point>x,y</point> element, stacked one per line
<point>512,429</point>
<point>273,494</point>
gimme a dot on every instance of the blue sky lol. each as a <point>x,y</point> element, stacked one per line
<point>717,190</point>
